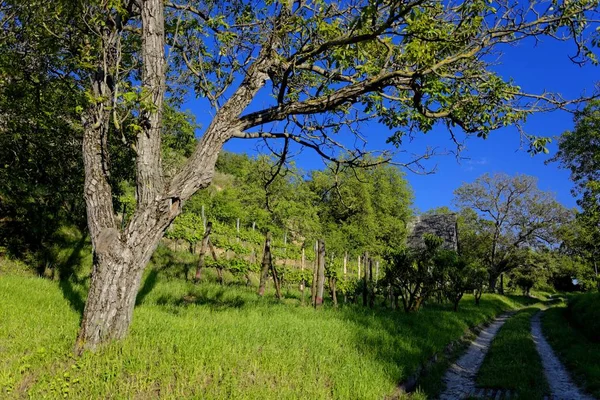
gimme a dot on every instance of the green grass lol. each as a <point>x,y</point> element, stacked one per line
<point>576,351</point>
<point>584,311</point>
<point>513,361</point>
<point>209,341</point>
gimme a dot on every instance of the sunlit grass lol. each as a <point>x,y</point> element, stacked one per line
<point>211,341</point>
<point>513,361</point>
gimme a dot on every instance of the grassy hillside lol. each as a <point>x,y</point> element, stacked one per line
<point>209,341</point>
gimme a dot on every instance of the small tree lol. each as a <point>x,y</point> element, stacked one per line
<point>413,273</point>
<point>456,279</point>
<point>478,276</point>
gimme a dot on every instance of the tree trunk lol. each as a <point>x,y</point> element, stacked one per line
<point>266,263</point>
<point>119,262</point>
<point>120,256</point>
<point>478,293</point>
<point>320,274</point>
<point>111,299</point>
<point>492,282</point>
<point>203,250</point>
<point>457,301</point>
<point>501,290</point>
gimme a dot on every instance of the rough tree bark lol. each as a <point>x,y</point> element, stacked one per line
<point>120,256</point>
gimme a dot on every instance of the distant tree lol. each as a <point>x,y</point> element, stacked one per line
<point>518,215</point>
<point>580,241</point>
<point>363,210</point>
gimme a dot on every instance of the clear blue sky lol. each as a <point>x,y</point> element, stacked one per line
<point>535,68</point>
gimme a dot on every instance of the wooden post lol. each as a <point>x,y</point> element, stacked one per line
<point>333,289</point>
<point>313,286</point>
<point>370,288</point>
<point>203,249</point>
<point>302,260</point>
<point>345,274</point>
<point>276,280</point>
<point>214,254</point>
<point>321,273</point>
<point>203,219</point>
<point>365,280</point>
<point>266,262</point>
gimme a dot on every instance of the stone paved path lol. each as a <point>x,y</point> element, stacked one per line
<point>460,377</point>
<point>561,386</point>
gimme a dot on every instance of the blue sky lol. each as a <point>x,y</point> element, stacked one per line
<point>534,67</point>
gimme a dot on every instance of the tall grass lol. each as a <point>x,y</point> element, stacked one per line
<point>210,341</point>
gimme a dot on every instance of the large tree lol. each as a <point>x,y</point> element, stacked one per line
<point>579,152</point>
<point>516,215</point>
<point>303,72</point>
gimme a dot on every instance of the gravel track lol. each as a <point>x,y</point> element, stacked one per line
<point>460,377</point>
<point>561,385</point>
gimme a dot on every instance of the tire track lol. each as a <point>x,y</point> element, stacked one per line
<point>460,377</point>
<point>561,385</point>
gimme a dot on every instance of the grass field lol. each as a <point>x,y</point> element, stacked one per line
<point>209,341</point>
<point>513,361</point>
<point>576,351</point>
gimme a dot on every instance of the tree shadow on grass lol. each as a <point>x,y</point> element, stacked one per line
<point>403,342</point>
<point>220,299</point>
<point>149,284</point>
<point>69,283</point>
<point>72,295</point>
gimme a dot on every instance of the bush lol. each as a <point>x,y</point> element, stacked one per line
<point>584,311</point>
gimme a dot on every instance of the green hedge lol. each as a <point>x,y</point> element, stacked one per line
<point>584,311</point>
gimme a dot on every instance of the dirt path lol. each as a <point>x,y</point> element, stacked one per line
<point>460,377</point>
<point>561,386</point>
